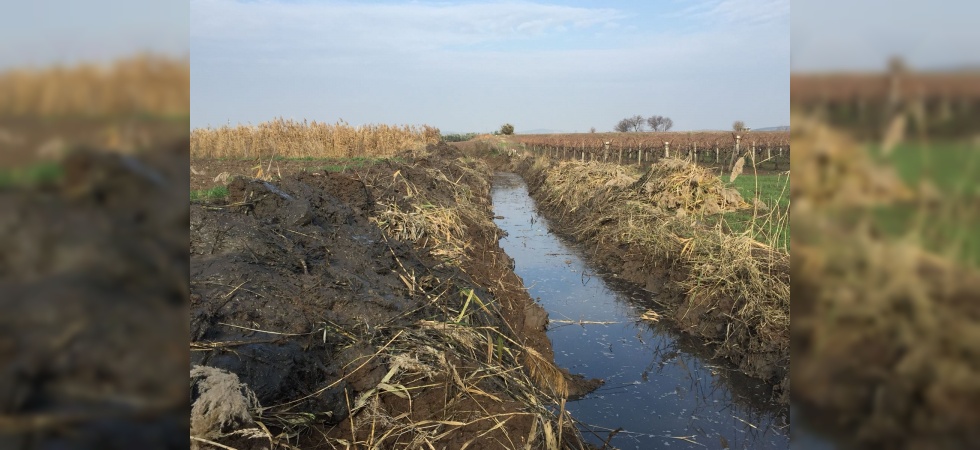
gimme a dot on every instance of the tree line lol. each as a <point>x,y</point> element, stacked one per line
<point>639,123</point>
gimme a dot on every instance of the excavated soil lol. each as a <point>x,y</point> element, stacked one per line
<point>93,288</point>
<point>297,290</point>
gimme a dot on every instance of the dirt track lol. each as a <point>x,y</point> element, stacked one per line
<point>297,290</point>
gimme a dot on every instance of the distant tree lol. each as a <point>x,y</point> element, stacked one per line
<point>660,123</point>
<point>592,130</point>
<point>623,126</point>
<point>654,122</point>
<point>507,129</point>
<point>738,126</point>
<point>628,124</point>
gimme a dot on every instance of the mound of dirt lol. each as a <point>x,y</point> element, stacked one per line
<point>344,318</point>
<point>93,288</point>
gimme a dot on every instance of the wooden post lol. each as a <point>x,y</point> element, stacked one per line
<point>738,140</point>
<point>717,155</point>
<point>694,156</point>
<point>620,154</point>
<point>639,156</point>
<point>666,149</point>
<point>606,156</point>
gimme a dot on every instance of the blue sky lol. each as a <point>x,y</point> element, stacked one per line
<point>472,66</point>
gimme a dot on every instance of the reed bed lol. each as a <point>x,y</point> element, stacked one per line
<point>295,139</point>
<point>144,84</point>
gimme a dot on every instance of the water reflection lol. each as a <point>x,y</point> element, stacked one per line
<point>662,388</point>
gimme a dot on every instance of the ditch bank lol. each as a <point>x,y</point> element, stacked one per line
<point>729,290</point>
<point>372,308</point>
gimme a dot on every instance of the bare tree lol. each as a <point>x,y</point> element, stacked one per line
<point>623,126</point>
<point>654,122</point>
<point>738,126</point>
<point>634,123</point>
<point>660,123</point>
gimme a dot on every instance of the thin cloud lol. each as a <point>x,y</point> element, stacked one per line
<point>418,26</point>
<point>738,12</point>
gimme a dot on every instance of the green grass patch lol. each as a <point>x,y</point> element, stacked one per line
<point>459,137</point>
<point>770,227</point>
<point>43,173</point>
<point>215,193</point>
<point>947,227</point>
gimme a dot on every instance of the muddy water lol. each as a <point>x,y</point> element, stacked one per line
<point>662,389</point>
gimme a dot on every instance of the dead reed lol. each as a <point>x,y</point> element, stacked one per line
<point>732,289</point>
<point>147,84</point>
<point>294,139</point>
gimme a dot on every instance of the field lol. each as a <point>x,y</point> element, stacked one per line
<point>947,172</point>
<point>771,149</point>
<point>770,224</point>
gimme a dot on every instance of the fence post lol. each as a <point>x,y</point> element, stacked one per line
<point>620,153</point>
<point>639,156</point>
<point>694,156</point>
<point>738,141</point>
<point>666,149</point>
<point>605,157</point>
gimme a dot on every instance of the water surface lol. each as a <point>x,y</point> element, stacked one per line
<point>662,389</point>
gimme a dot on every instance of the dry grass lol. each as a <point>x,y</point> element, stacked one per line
<point>833,171</point>
<point>143,84</point>
<point>725,279</point>
<point>293,139</point>
<point>886,333</point>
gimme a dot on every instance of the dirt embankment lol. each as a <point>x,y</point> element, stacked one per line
<point>93,289</point>
<point>372,307</point>
<point>727,289</point>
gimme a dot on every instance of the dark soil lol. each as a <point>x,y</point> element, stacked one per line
<point>298,291</point>
<point>93,277</point>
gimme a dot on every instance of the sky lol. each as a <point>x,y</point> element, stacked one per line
<point>861,35</point>
<point>41,33</point>
<point>475,65</point>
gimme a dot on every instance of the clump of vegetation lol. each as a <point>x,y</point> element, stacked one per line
<point>458,137</point>
<point>507,129</point>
